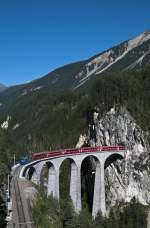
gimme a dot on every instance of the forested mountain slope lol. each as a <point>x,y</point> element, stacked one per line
<point>44,121</point>
<point>79,76</point>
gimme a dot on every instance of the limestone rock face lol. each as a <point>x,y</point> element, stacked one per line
<point>82,140</point>
<point>129,177</point>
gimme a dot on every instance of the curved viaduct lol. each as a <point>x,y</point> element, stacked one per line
<point>33,171</point>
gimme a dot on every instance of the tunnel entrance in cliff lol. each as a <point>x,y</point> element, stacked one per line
<point>88,169</point>
<point>114,177</point>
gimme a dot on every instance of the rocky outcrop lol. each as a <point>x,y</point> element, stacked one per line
<point>127,178</point>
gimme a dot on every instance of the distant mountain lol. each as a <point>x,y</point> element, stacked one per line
<point>79,76</point>
<point>2,87</point>
<point>134,53</point>
<point>131,54</point>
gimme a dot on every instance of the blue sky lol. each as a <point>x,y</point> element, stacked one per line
<point>37,36</point>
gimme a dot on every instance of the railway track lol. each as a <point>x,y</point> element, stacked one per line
<point>19,205</point>
<point>23,205</point>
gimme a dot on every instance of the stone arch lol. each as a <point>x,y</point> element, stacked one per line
<point>67,173</point>
<point>90,171</point>
<point>114,169</point>
<point>112,158</point>
<point>47,174</point>
<point>52,180</point>
<point>31,172</point>
<point>25,170</point>
<point>67,158</point>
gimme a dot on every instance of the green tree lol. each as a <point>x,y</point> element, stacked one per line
<point>2,213</point>
<point>100,221</point>
<point>67,213</point>
<point>46,211</point>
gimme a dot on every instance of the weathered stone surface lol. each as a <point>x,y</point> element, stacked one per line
<point>123,180</point>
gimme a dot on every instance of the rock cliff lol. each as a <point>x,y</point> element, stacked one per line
<point>126,178</point>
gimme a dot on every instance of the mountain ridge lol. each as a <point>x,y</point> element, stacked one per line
<point>101,62</point>
<point>80,76</point>
<point>130,54</point>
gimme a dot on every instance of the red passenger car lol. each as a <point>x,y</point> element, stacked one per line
<point>63,152</point>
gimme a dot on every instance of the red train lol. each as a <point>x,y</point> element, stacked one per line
<point>50,154</point>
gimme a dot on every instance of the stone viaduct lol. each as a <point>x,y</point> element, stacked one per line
<point>33,170</point>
